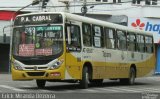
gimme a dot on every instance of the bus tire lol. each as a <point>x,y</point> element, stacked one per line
<point>41,83</point>
<point>132,76</point>
<point>131,79</point>
<point>85,78</point>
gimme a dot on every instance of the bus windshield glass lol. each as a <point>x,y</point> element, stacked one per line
<point>34,41</point>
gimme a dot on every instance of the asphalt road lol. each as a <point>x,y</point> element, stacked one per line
<point>144,88</point>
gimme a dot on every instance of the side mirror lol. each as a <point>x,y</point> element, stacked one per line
<point>69,35</point>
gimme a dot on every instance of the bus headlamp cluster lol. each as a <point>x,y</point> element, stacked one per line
<point>56,64</point>
<point>17,66</point>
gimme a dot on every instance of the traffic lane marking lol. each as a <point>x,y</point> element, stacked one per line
<point>140,89</point>
<point>125,89</point>
<point>11,88</point>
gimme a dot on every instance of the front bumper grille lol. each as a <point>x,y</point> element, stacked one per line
<point>33,68</point>
<point>36,73</point>
<point>35,62</point>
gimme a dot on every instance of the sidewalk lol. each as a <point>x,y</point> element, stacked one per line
<point>6,76</point>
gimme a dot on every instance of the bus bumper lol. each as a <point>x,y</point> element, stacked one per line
<point>41,74</point>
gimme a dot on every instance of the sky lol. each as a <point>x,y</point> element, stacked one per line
<point>9,3</point>
<point>14,5</point>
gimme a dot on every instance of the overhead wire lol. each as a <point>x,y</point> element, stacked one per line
<point>79,5</point>
<point>88,4</point>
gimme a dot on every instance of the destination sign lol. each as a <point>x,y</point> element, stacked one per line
<point>49,28</point>
<point>38,19</point>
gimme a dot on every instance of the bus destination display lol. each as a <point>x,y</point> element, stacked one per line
<point>38,19</point>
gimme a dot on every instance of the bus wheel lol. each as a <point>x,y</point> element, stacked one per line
<point>85,78</point>
<point>132,76</point>
<point>41,83</point>
<point>131,79</point>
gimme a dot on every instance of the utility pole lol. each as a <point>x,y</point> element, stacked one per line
<point>67,6</point>
<point>84,8</point>
<point>44,3</point>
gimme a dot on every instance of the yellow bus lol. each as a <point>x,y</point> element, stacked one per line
<point>59,46</point>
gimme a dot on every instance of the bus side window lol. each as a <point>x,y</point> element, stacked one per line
<point>131,41</point>
<point>140,43</point>
<point>121,40</point>
<point>149,44</point>
<point>98,37</point>
<point>75,37</point>
<point>109,38</point>
<point>87,37</point>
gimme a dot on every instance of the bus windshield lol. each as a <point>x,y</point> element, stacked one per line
<point>35,41</point>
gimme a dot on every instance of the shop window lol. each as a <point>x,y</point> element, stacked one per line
<point>136,1</point>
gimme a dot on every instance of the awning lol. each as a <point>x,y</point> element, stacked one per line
<point>7,15</point>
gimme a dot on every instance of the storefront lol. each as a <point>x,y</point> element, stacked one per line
<point>5,17</point>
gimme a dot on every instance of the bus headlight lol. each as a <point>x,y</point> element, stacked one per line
<point>56,64</point>
<point>17,66</point>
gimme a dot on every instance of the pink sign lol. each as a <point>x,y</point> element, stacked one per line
<point>46,51</point>
<point>26,49</point>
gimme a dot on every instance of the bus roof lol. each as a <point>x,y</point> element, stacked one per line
<point>105,23</point>
<point>94,21</point>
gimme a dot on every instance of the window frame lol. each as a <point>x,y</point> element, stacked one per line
<point>139,44</point>
<point>107,37</point>
<point>66,36</point>
<point>98,36</point>
<point>151,43</point>
<point>125,35</point>
<point>131,42</point>
<point>83,33</point>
